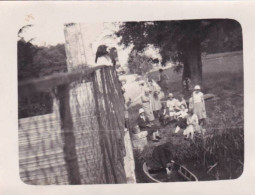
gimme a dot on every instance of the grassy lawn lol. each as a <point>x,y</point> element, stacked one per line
<point>222,76</point>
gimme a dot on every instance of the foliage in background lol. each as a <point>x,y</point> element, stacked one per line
<point>183,41</point>
<point>35,62</point>
<point>139,63</point>
<point>220,153</point>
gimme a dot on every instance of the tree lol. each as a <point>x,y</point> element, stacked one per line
<point>49,60</point>
<point>34,62</point>
<point>179,41</point>
<point>139,63</point>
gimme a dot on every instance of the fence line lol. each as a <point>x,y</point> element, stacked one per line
<point>81,141</point>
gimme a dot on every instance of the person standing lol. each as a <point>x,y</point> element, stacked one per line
<point>197,104</point>
<point>155,101</point>
<point>163,80</point>
<point>146,105</point>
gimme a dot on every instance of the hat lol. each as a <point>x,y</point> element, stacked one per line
<point>170,95</point>
<point>141,110</point>
<point>197,87</point>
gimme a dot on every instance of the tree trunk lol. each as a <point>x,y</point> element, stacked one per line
<point>192,71</point>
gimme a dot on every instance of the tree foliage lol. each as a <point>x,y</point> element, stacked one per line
<point>182,42</point>
<point>140,63</point>
<point>36,62</point>
<point>173,37</point>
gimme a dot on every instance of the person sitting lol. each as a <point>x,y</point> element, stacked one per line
<point>164,115</point>
<point>145,125</point>
<point>192,125</point>
<point>172,105</point>
<point>181,101</point>
<point>181,118</point>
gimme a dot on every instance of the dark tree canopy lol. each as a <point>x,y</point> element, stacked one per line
<point>182,42</point>
<point>139,63</point>
<point>35,62</point>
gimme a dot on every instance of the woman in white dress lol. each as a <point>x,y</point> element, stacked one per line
<point>146,104</point>
<point>197,104</point>
<point>155,100</point>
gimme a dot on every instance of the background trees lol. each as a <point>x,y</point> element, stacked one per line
<point>183,42</point>
<point>35,62</point>
<point>139,63</point>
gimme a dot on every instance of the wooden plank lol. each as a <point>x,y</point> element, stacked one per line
<point>48,83</point>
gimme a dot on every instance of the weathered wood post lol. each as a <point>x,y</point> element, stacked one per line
<point>70,155</point>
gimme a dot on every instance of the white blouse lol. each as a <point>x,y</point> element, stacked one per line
<point>198,97</point>
<point>182,113</point>
<point>172,104</point>
<point>104,60</point>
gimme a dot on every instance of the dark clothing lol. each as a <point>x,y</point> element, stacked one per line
<point>164,111</point>
<point>164,116</point>
<point>127,125</point>
<point>182,123</point>
<point>163,80</point>
<point>162,155</point>
<point>156,113</point>
<point>143,125</point>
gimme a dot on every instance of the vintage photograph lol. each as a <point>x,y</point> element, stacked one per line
<point>130,102</point>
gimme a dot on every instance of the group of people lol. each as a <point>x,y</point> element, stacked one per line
<point>188,117</point>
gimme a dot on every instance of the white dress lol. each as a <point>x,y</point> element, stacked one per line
<point>104,60</point>
<point>146,104</point>
<point>155,100</point>
<point>198,105</point>
<point>192,122</point>
<point>172,104</point>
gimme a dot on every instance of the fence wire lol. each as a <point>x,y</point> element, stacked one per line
<point>77,136</point>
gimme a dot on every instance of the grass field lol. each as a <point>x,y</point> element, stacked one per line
<point>222,76</point>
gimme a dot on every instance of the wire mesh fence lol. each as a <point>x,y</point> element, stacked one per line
<point>77,136</point>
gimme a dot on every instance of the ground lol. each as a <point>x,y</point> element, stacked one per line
<point>222,76</point>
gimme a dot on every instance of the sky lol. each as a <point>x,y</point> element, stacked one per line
<point>52,33</point>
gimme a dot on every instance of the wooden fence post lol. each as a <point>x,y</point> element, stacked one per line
<point>68,135</point>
